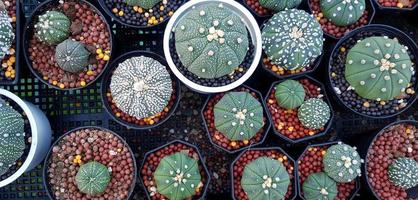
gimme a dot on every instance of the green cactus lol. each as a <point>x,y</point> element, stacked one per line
<point>6,32</point>
<point>265,179</point>
<point>378,68</point>
<point>72,56</point>
<point>12,136</point>
<point>279,5</point>
<point>211,40</point>
<point>290,94</point>
<point>403,172</point>
<point>238,115</point>
<point>314,113</point>
<point>147,4</point>
<point>342,163</point>
<point>53,27</point>
<point>177,176</point>
<point>319,186</point>
<point>292,39</point>
<point>92,178</point>
<point>343,12</point>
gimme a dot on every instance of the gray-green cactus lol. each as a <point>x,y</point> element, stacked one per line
<point>319,186</point>
<point>92,178</point>
<point>342,163</point>
<point>72,56</point>
<point>12,136</point>
<point>6,32</point>
<point>279,5</point>
<point>211,40</point>
<point>378,68</point>
<point>238,115</point>
<point>403,172</point>
<point>343,12</point>
<point>292,39</point>
<point>314,113</point>
<point>147,4</point>
<point>290,94</point>
<point>265,179</point>
<point>177,176</point>
<point>53,27</point>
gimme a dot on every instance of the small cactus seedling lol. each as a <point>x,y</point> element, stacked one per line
<point>279,5</point>
<point>314,113</point>
<point>147,4</point>
<point>211,40</point>
<point>238,115</point>
<point>378,68</point>
<point>12,136</point>
<point>290,94</point>
<point>265,179</point>
<point>292,39</point>
<point>403,172</point>
<point>343,12</point>
<point>92,178</point>
<point>177,176</point>
<point>6,32</point>
<point>342,163</point>
<point>53,27</point>
<point>141,87</point>
<point>72,56</point>
<point>319,186</point>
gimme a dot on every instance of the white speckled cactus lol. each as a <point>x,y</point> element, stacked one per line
<point>342,163</point>
<point>6,32</point>
<point>147,4</point>
<point>403,172</point>
<point>53,27</point>
<point>211,40</point>
<point>279,5</point>
<point>343,12</point>
<point>314,113</point>
<point>72,56</point>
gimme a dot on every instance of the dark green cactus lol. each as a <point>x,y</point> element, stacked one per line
<point>147,4</point>
<point>92,178</point>
<point>177,176</point>
<point>72,56</point>
<point>319,186</point>
<point>279,5</point>
<point>343,12</point>
<point>378,68</point>
<point>290,94</point>
<point>314,113</point>
<point>265,179</point>
<point>211,40</point>
<point>403,172</point>
<point>6,32</point>
<point>238,115</point>
<point>53,27</point>
<point>342,163</point>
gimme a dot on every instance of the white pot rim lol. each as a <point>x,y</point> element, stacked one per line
<point>251,25</point>
<point>34,137</point>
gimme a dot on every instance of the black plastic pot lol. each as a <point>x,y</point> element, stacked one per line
<point>353,193</point>
<point>45,167</point>
<point>376,29</point>
<point>201,161</point>
<point>108,76</point>
<point>266,127</point>
<point>307,138</point>
<point>295,174</point>
<point>394,9</point>
<point>28,32</point>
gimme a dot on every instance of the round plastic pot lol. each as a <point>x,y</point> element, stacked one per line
<point>201,161</point>
<point>108,76</point>
<point>307,138</point>
<point>266,126</point>
<point>386,9</point>
<point>28,32</point>
<point>40,135</point>
<point>379,29</point>
<point>295,174</point>
<point>253,30</point>
<point>46,162</point>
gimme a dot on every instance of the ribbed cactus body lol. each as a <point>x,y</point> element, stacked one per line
<point>92,178</point>
<point>403,172</point>
<point>342,163</point>
<point>6,34</point>
<point>314,113</point>
<point>343,12</point>
<point>53,27</point>
<point>279,5</point>
<point>147,4</point>
<point>290,94</point>
<point>319,186</point>
<point>72,56</point>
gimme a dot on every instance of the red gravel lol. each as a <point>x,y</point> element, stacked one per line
<point>398,3</point>
<point>257,8</point>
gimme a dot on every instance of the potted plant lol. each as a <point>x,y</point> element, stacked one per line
<point>329,171</point>
<point>391,162</point>
<point>209,53</point>
<point>67,44</point>
<point>88,163</point>
<point>235,120</point>
<point>299,109</point>
<point>25,137</point>
<point>338,17</point>
<point>139,91</point>
<point>175,171</point>
<point>292,43</point>
<point>371,93</point>
<point>265,8</point>
<point>397,6</point>
<point>263,173</point>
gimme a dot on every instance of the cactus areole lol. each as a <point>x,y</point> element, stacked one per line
<point>319,186</point>
<point>6,33</point>
<point>147,4</point>
<point>403,172</point>
<point>342,163</point>
<point>92,178</point>
<point>53,27</point>
<point>343,12</point>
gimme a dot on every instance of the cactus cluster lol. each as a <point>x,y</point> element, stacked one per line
<point>314,113</point>
<point>343,12</point>
<point>290,94</point>
<point>238,115</point>
<point>92,178</point>
<point>279,5</point>
<point>292,39</point>
<point>147,4</point>
<point>265,178</point>
<point>53,27</point>
<point>177,176</point>
<point>6,32</point>
<point>403,172</point>
<point>342,163</point>
<point>378,68</point>
<point>72,56</point>
<point>319,186</point>
<point>211,40</point>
